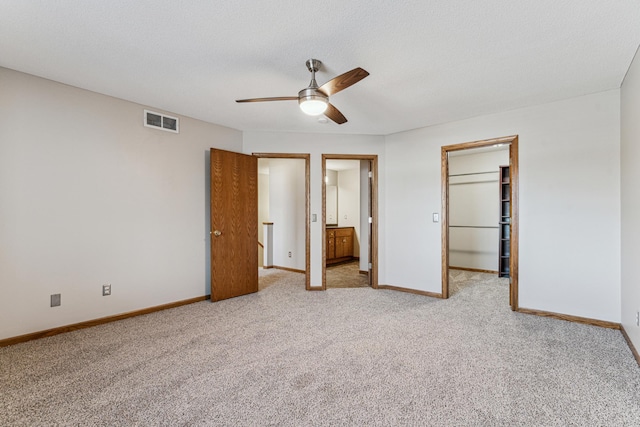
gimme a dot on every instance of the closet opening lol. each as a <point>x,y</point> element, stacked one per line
<point>480,212</point>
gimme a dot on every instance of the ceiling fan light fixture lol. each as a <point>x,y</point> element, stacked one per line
<point>313,106</point>
<point>312,101</point>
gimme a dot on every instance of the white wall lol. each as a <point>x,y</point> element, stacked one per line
<point>474,200</point>
<point>569,203</point>
<point>89,196</point>
<point>630,177</point>
<point>287,212</point>
<point>477,161</point>
<point>316,145</point>
<point>332,177</point>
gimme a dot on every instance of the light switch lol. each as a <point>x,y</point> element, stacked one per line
<point>436,217</point>
<point>314,218</point>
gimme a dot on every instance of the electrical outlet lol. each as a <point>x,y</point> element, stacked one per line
<point>55,300</point>
<point>289,254</point>
<point>106,290</point>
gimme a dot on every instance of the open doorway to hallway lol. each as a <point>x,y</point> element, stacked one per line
<point>349,221</point>
<point>283,214</point>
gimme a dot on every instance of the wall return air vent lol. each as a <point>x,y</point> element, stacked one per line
<point>161,121</point>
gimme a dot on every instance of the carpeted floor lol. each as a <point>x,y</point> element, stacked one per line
<point>346,275</point>
<point>360,356</point>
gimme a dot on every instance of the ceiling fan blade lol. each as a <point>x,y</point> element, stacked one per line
<point>343,81</point>
<point>334,114</point>
<point>277,98</point>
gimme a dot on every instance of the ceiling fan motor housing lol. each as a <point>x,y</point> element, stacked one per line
<point>313,65</point>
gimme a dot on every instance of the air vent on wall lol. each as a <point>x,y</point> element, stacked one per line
<point>161,121</point>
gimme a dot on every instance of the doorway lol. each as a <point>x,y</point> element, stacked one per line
<point>294,253</point>
<point>508,221</point>
<point>349,221</point>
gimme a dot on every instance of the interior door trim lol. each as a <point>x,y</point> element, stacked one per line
<point>373,158</point>
<point>514,177</point>
<point>307,201</point>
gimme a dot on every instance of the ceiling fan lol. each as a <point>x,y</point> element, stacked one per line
<point>314,100</point>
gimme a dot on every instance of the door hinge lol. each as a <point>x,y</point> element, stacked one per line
<point>370,174</point>
<point>370,220</point>
<point>370,266</point>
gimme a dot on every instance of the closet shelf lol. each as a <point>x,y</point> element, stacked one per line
<point>504,227</point>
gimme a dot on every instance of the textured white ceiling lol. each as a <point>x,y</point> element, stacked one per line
<point>431,61</point>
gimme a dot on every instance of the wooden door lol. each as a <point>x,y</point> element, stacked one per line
<point>344,242</point>
<point>344,246</point>
<point>331,247</point>
<point>234,224</point>
<point>340,251</point>
<point>370,223</point>
<point>348,246</point>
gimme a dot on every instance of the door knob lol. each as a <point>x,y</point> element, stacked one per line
<point>217,233</point>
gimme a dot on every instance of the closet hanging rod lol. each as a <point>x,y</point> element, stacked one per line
<point>474,226</point>
<point>474,182</point>
<point>474,173</point>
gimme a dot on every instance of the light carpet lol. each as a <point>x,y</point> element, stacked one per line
<point>285,356</point>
